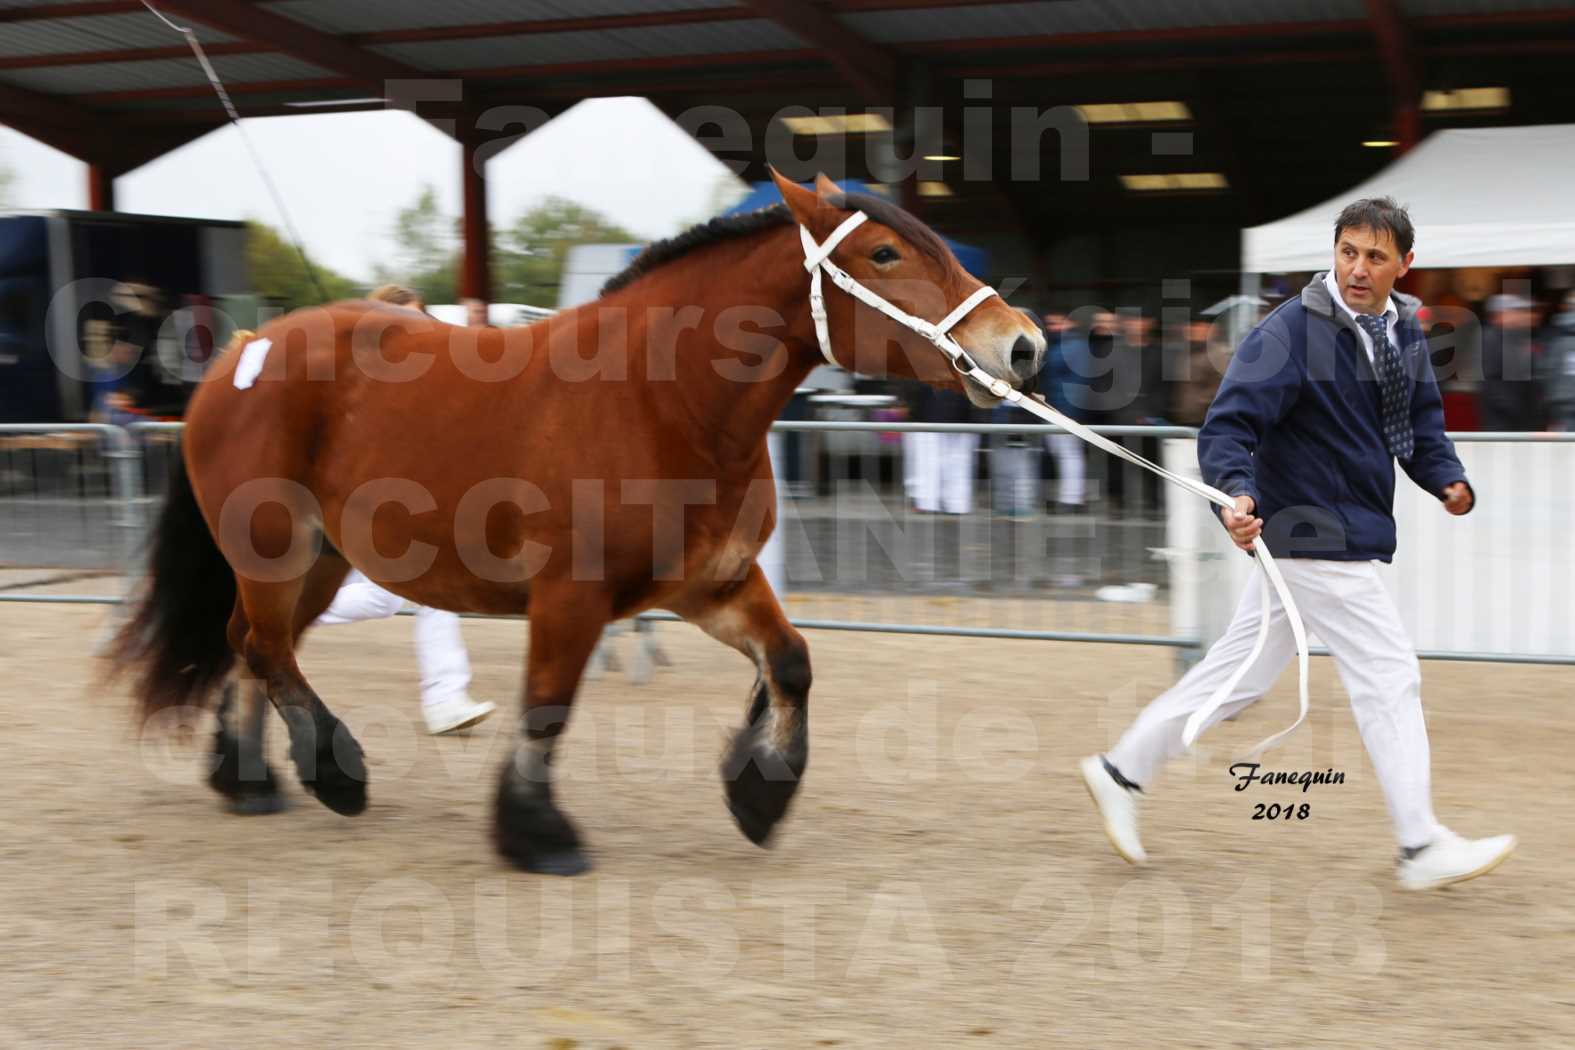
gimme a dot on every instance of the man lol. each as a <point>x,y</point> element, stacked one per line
<point>1320,400</point>
<point>1515,372</point>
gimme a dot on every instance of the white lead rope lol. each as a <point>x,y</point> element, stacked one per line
<point>817,259</point>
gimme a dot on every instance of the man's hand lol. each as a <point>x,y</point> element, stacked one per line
<point>1457,498</point>
<point>1243,527</point>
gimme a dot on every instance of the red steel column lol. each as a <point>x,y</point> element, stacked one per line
<point>475,279</point>
<point>101,188</point>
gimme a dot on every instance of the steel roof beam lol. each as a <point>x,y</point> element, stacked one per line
<point>870,69</point>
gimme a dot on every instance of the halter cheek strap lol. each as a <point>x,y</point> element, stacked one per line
<point>817,260</point>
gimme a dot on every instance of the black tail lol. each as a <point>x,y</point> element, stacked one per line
<point>176,641</point>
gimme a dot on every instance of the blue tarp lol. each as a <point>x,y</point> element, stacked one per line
<point>764,194</point>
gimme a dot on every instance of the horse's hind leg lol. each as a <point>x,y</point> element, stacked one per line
<point>528,827</point>
<point>762,768</point>
<point>239,771</point>
<point>327,758</point>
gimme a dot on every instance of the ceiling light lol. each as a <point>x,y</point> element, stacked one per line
<point>1466,99</point>
<point>1174,182</point>
<point>934,189</point>
<point>1380,143</point>
<point>940,156</point>
<point>838,124</point>
<point>1134,112</point>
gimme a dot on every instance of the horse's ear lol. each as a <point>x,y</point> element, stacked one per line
<point>801,202</point>
<point>825,187</point>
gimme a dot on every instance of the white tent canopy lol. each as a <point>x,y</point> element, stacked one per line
<point>1478,197</point>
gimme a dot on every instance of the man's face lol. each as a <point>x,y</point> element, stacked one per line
<point>475,312</point>
<point>1366,266</point>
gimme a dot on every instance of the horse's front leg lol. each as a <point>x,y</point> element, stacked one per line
<point>763,766</point>
<point>528,827</point>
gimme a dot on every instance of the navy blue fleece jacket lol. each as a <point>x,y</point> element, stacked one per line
<point>1296,426</point>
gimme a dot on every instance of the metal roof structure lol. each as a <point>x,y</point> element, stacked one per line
<point>1278,94</point>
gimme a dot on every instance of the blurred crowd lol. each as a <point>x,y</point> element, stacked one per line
<point>1508,366</point>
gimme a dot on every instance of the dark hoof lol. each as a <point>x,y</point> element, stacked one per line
<point>258,805</point>
<point>563,862</point>
<point>531,832</point>
<point>247,783</point>
<point>333,770</point>
<point>760,785</point>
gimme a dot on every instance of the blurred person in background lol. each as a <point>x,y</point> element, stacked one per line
<point>1014,458</point>
<point>943,463</point>
<point>1202,366</point>
<point>1561,359</point>
<point>475,313</point>
<point>1063,381</point>
<point>1139,400</point>
<point>144,390</point>
<point>1516,372</point>
<point>446,704</point>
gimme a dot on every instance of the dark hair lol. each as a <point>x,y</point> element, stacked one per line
<point>1381,215</point>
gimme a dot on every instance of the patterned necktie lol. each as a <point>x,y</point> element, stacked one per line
<point>1393,388</point>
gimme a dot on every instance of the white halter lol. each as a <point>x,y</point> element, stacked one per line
<point>817,259</point>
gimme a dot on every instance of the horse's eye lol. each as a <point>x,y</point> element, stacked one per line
<point>885,254</point>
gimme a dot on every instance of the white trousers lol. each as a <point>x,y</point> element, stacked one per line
<point>445,666</point>
<point>943,472</point>
<point>1070,468</point>
<point>1345,604</point>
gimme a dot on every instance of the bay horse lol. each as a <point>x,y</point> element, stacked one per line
<point>503,471</point>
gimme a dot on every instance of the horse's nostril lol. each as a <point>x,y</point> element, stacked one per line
<point>1025,357</point>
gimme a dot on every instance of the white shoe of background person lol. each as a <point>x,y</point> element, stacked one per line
<point>1117,806</point>
<point>1450,859</point>
<point>453,713</point>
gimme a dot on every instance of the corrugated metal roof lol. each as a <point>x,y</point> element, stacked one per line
<point>363,16</point>
<point>1423,8</point>
<point>98,33</point>
<point>602,46</point>
<point>172,72</point>
<point>1086,16</point>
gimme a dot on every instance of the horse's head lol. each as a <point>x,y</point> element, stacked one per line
<point>906,265</point>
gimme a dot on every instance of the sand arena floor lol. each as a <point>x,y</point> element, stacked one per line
<point>940,882</point>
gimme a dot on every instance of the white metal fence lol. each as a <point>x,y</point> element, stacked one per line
<point>1136,565</point>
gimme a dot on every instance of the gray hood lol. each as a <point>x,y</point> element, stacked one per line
<point>1316,298</point>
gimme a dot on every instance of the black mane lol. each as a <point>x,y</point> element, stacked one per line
<point>728,227</point>
<point>722,228</point>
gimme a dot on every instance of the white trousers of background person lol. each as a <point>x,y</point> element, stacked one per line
<point>944,472</point>
<point>440,651</point>
<point>910,463</point>
<point>1070,468</point>
<point>1345,604</point>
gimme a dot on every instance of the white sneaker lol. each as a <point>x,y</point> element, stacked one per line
<point>454,713</point>
<point>1450,858</point>
<point>1117,808</point>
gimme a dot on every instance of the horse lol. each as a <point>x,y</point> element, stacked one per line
<point>503,471</point>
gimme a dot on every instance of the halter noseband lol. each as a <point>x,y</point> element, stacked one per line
<point>817,260</point>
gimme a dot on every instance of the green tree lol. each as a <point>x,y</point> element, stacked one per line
<point>277,274</point>
<point>528,257</point>
<point>426,251</point>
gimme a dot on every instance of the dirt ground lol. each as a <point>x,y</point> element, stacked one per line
<point>940,882</point>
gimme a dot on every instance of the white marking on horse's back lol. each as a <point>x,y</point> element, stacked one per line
<point>250,366</point>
